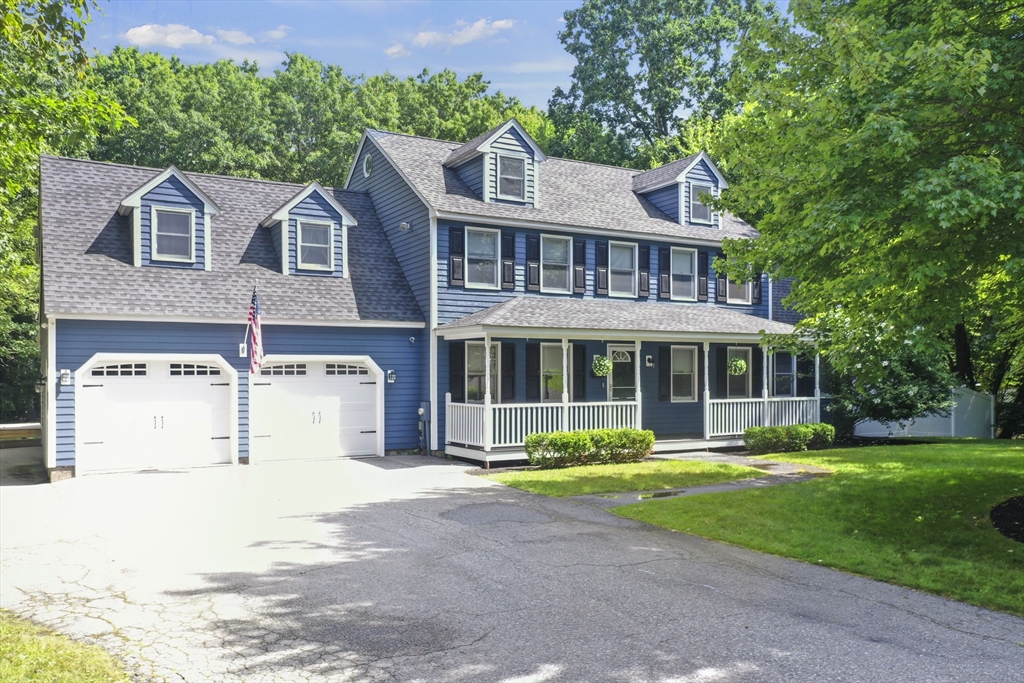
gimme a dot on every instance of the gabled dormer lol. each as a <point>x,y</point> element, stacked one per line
<point>171,222</point>
<point>310,233</point>
<point>676,189</point>
<point>501,166</point>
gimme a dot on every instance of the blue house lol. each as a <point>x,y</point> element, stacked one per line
<point>452,295</point>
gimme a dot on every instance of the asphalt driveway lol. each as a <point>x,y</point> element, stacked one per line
<point>409,569</point>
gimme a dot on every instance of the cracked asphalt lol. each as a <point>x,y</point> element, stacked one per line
<point>409,569</point>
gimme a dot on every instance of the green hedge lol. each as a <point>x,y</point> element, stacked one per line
<point>813,437</point>
<point>592,447</point>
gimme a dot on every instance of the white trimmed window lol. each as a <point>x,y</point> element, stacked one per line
<point>622,269</point>
<point>739,385</point>
<point>736,293</point>
<point>684,374</point>
<point>684,280</point>
<point>482,258</point>
<point>315,242</point>
<point>476,369</point>
<point>283,370</point>
<point>699,211</point>
<point>120,370</point>
<point>555,264</point>
<point>193,370</point>
<point>552,379</point>
<point>174,234</point>
<point>511,178</point>
<point>784,377</point>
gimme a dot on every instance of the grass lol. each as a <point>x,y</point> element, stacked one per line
<point>33,653</point>
<point>916,516</point>
<point>637,476</point>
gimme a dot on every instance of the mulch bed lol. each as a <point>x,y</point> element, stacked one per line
<point>1008,518</point>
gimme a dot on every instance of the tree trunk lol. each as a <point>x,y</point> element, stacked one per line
<point>963,367</point>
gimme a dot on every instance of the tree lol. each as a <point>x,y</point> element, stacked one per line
<point>882,159</point>
<point>643,68</point>
<point>46,107</point>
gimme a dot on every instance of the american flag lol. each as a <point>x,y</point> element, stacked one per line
<point>256,340</point>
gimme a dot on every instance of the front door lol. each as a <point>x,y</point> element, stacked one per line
<point>622,381</point>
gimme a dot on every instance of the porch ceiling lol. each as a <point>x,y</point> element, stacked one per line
<point>537,316</point>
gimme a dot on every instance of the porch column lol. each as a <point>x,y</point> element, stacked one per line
<point>817,388</point>
<point>636,382</point>
<point>565,385</point>
<point>765,420</point>
<point>707,390</point>
<point>488,431</point>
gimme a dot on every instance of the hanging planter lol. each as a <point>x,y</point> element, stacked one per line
<point>737,366</point>
<point>602,366</point>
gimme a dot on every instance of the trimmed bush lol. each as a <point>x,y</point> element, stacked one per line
<point>789,439</point>
<point>822,436</point>
<point>567,449</point>
<point>761,440</point>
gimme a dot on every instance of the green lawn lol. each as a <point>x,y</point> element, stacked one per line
<point>911,515</point>
<point>32,653</point>
<point>637,476</point>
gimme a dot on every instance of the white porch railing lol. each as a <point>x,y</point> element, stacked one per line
<point>464,423</point>
<point>603,415</point>
<point>730,417</point>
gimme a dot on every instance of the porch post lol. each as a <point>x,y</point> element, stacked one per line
<point>765,419</point>
<point>565,385</point>
<point>636,382</point>
<point>707,390</point>
<point>488,418</point>
<point>817,388</point>
<point>447,419</point>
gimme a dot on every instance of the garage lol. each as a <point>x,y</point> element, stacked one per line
<point>145,412</point>
<point>322,407</point>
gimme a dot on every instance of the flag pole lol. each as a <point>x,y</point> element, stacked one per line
<point>248,322</point>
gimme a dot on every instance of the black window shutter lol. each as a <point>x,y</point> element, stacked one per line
<point>755,290</point>
<point>508,260</point>
<point>533,372</point>
<point>664,273</point>
<point>508,372</point>
<point>805,377</point>
<point>721,285</point>
<point>757,358</point>
<point>644,271</point>
<point>579,372</point>
<point>456,257</point>
<point>579,266</point>
<point>722,371</point>
<point>533,263</point>
<point>702,276</point>
<point>457,371</point>
<point>664,373</point>
<point>602,267</point>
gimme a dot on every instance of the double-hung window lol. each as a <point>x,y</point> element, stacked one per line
<point>736,293</point>
<point>552,379</point>
<point>476,372</point>
<point>739,385</point>
<point>622,270</point>
<point>684,373</point>
<point>482,258</point>
<point>314,242</point>
<point>555,265</point>
<point>785,374</point>
<point>699,211</point>
<point>684,282</point>
<point>173,234</point>
<point>511,178</point>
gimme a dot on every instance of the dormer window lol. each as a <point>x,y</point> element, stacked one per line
<point>699,212</point>
<point>315,239</point>
<point>511,178</point>
<point>173,234</point>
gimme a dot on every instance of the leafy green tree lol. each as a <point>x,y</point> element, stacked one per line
<point>882,159</point>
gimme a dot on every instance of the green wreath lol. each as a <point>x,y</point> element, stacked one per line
<point>602,366</point>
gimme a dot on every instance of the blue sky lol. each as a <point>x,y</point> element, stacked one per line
<point>514,44</point>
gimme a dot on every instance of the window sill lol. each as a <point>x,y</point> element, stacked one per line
<point>621,295</point>
<point>690,300</point>
<point>685,400</point>
<point>314,269</point>
<point>473,285</point>
<point>171,259</point>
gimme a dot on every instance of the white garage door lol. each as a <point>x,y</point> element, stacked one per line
<point>152,414</point>
<point>312,409</point>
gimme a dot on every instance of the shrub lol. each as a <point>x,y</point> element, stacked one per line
<point>762,440</point>
<point>822,436</point>
<point>566,449</point>
<point>789,439</point>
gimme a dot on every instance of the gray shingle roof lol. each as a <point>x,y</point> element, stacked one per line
<point>571,193</point>
<point>87,254</point>
<point>663,175</point>
<point>469,149</point>
<point>621,316</point>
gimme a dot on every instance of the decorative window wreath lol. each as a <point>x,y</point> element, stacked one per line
<point>737,366</point>
<point>602,366</point>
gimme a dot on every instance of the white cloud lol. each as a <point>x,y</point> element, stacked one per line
<point>166,35</point>
<point>463,33</point>
<point>275,34</point>
<point>235,37</point>
<point>397,50</point>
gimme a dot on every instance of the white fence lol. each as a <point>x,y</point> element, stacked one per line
<point>731,417</point>
<point>972,414</point>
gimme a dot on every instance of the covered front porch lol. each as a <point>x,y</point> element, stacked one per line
<point>508,381</point>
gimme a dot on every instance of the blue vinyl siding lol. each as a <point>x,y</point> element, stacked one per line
<point>666,419</point>
<point>275,236</point>
<point>780,290</point>
<point>314,208</point>
<point>703,175</point>
<point>666,199</point>
<point>511,141</point>
<point>173,194</point>
<point>395,203</point>
<point>472,173</point>
<point>78,340</point>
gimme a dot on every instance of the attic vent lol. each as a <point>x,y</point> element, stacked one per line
<point>192,370</point>
<point>120,370</point>
<point>284,369</point>
<point>367,165</point>
<point>342,369</point>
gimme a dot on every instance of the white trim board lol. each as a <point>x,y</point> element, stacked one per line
<point>134,200</point>
<point>241,320</point>
<point>478,331</point>
<point>281,214</point>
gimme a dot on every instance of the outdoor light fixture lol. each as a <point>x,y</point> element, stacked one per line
<point>392,376</point>
<point>65,377</point>
<point>403,226</point>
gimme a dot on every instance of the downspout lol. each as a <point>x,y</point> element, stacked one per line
<point>432,326</point>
